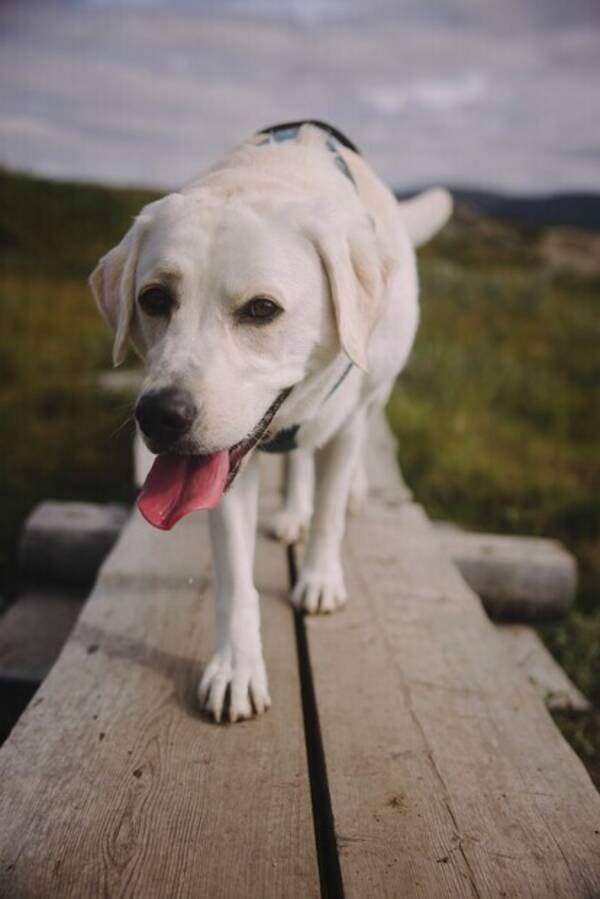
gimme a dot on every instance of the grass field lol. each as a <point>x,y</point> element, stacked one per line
<point>59,437</point>
<point>496,414</point>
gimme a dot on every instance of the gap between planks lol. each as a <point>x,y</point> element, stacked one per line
<point>330,874</point>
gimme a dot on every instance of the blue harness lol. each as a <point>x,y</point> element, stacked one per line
<point>284,441</point>
<point>289,131</point>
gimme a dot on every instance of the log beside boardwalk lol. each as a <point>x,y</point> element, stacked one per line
<point>431,766</point>
<point>517,578</point>
<point>550,681</point>
<point>64,543</point>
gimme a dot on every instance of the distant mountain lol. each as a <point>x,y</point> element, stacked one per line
<point>581,210</point>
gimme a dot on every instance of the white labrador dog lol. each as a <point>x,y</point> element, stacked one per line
<point>274,300</point>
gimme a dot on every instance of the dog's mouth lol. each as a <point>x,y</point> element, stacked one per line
<point>179,484</point>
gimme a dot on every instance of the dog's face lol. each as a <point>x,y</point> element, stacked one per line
<point>232,304</point>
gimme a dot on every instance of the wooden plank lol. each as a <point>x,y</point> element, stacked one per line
<point>385,479</point>
<point>543,672</point>
<point>123,381</point>
<point>113,785</point>
<point>517,578</point>
<point>447,775</point>
<point>33,632</point>
<point>64,543</point>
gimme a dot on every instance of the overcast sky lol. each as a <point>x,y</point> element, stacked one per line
<point>502,94</point>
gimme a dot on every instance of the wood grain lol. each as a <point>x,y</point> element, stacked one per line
<point>32,633</point>
<point>114,786</point>
<point>447,775</point>
<point>551,682</point>
<point>517,578</point>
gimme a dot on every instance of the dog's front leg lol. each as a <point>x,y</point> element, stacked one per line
<point>237,664</point>
<point>320,586</point>
<point>291,522</point>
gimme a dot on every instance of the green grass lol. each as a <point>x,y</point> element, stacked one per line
<point>60,438</point>
<point>496,413</point>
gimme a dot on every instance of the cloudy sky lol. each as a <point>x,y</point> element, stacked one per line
<point>502,94</point>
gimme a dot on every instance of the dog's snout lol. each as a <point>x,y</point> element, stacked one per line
<point>165,415</point>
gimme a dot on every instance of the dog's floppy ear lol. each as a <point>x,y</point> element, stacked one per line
<point>358,270</point>
<point>113,286</point>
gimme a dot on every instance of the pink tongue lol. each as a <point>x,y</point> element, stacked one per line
<point>177,485</point>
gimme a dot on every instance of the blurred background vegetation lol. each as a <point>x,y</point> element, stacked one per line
<point>496,414</point>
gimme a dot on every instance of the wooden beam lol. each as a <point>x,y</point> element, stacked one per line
<point>32,633</point>
<point>126,381</point>
<point>64,543</point>
<point>447,775</point>
<point>517,578</point>
<point>114,785</point>
<point>543,672</point>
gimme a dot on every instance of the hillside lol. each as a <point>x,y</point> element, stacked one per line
<point>573,210</point>
<point>495,413</point>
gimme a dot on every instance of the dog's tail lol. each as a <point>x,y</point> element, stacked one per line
<point>426,214</point>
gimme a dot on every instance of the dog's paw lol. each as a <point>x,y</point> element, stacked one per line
<point>319,591</point>
<point>234,689</point>
<point>288,525</point>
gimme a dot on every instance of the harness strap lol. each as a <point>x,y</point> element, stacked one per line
<point>284,441</point>
<point>334,132</point>
<point>289,131</point>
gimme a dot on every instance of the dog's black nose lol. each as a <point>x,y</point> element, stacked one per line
<point>165,415</point>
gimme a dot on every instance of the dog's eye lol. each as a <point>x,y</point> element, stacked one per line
<point>259,310</point>
<point>156,301</point>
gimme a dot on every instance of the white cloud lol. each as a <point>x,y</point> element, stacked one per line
<point>450,94</point>
<point>128,93</point>
<point>391,99</point>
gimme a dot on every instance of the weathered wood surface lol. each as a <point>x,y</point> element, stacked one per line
<point>33,632</point>
<point>113,785</point>
<point>549,680</point>
<point>446,772</point>
<point>517,578</point>
<point>385,478</point>
<point>126,381</point>
<point>447,776</point>
<point>64,543</point>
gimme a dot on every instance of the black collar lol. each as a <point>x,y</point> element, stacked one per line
<point>284,441</point>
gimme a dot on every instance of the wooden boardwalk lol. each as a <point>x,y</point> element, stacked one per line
<point>405,754</point>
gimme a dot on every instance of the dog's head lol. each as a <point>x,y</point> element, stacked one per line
<point>232,304</point>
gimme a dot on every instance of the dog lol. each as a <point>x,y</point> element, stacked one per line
<point>274,301</point>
